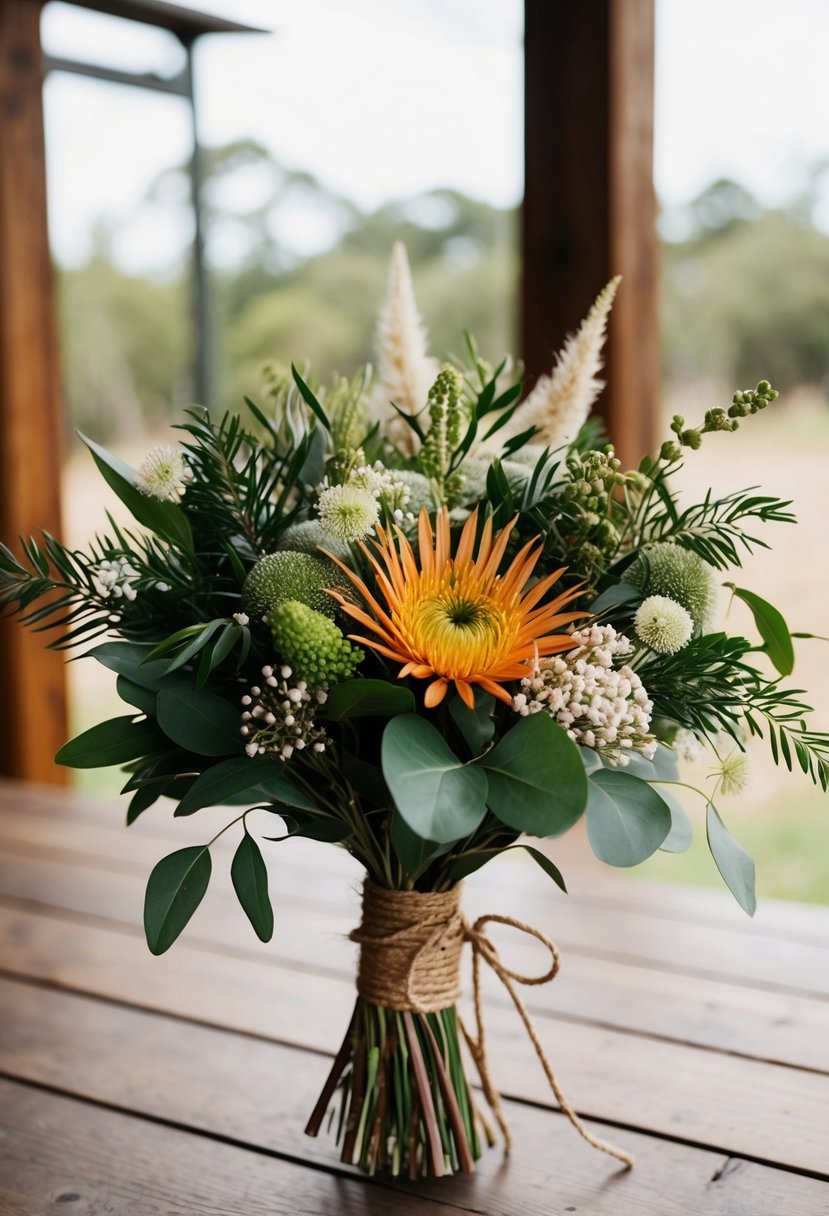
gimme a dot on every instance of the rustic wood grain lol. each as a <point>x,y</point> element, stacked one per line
<point>94,1162</point>
<point>32,681</point>
<point>258,1094</point>
<point>709,1099</point>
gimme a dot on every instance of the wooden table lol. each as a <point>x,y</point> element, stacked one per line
<point>680,1029</point>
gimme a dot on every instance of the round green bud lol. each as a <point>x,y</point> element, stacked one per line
<point>680,574</point>
<point>309,537</point>
<point>290,576</point>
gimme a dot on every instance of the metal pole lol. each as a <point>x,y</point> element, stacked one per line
<point>202,378</point>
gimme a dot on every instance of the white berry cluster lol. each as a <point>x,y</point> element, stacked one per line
<point>600,706</point>
<point>115,579</point>
<point>278,716</point>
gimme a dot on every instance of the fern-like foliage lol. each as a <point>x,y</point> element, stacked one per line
<point>716,528</point>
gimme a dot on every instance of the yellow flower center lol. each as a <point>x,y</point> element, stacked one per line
<point>457,626</point>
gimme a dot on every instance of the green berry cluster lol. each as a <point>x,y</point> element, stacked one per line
<point>447,418</point>
<point>745,402</point>
<point>312,645</point>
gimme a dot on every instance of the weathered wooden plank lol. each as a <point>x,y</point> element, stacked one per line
<point>96,1162</point>
<point>258,1093</point>
<point>589,206</point>
<point>711,1099</point>
<point>633,937</point>
<point>31,678</point>
<point>101,959</point>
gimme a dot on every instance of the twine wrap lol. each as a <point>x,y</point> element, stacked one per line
<point>411,944</point>
<point>410,950</point>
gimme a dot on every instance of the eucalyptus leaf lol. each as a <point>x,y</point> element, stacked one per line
<point>440,798</point>
<point>175,889</point>
<point>733,862</point>
<point>128,660</point>
<point>537,782</point>
<point>681,835</point>
<point>627,820</point>
<point>249,876</point>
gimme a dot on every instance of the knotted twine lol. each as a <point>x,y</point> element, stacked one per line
<point>411,943</point>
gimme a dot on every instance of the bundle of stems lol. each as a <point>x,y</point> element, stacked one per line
<point>398,1095</point>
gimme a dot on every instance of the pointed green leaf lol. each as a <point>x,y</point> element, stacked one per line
<point>201,722</point>
<point>166,519</point>
<point>175,889</point>
<point>239,781</point>
<point>772,629</point>
<point>112,742</point>
<point>309,398</point>
<point>127,659</point>
<point>440,798</point>
<point>627,820</point>
<point>549,868</point>
<point>734,864</point>
<point>249,875</point>
<point>134,694</point>
<point>537,782</point>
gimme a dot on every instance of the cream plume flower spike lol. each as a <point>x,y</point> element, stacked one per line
<point>561,402</point>
<point>405,369</point>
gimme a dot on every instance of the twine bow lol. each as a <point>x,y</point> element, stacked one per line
<point>483,948</point>
<point>414,943</point>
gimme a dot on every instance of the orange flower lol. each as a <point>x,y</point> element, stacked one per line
<point>456,620</point>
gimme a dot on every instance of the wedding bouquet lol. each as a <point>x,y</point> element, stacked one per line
<point>417,617</point>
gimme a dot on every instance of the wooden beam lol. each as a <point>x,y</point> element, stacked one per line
<point>589,204</point>
<point>32,681</point>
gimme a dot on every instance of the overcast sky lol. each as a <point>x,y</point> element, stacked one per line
<point>384,98</point>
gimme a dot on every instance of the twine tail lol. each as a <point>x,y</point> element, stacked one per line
<point>482,947</point>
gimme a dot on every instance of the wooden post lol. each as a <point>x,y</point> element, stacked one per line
<point>589,204</point>
<point>32,681</point>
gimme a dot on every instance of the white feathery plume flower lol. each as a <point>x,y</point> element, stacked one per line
<point>348,512</point>
<point>405,369</point>
<point>560,403</point>
<point>163,474</point>
<point>663,624</point>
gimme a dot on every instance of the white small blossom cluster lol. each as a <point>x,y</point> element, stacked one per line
<point>115,579</point>
<point>278,716</point>
<point>600,706</point>
<point>164,474</point>
<point>349,512</point>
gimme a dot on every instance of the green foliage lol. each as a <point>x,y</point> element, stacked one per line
<point>367,699</point>
<point>772,628</point>
<point>627,819</point>
<point>439,798</point>
<point>536,778</point>
<point>250,882</point>
<point>199,722</point>
<point>113,742</point>
<point>175,889</point>
<point>245,781</point>
<point>733,862</point>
